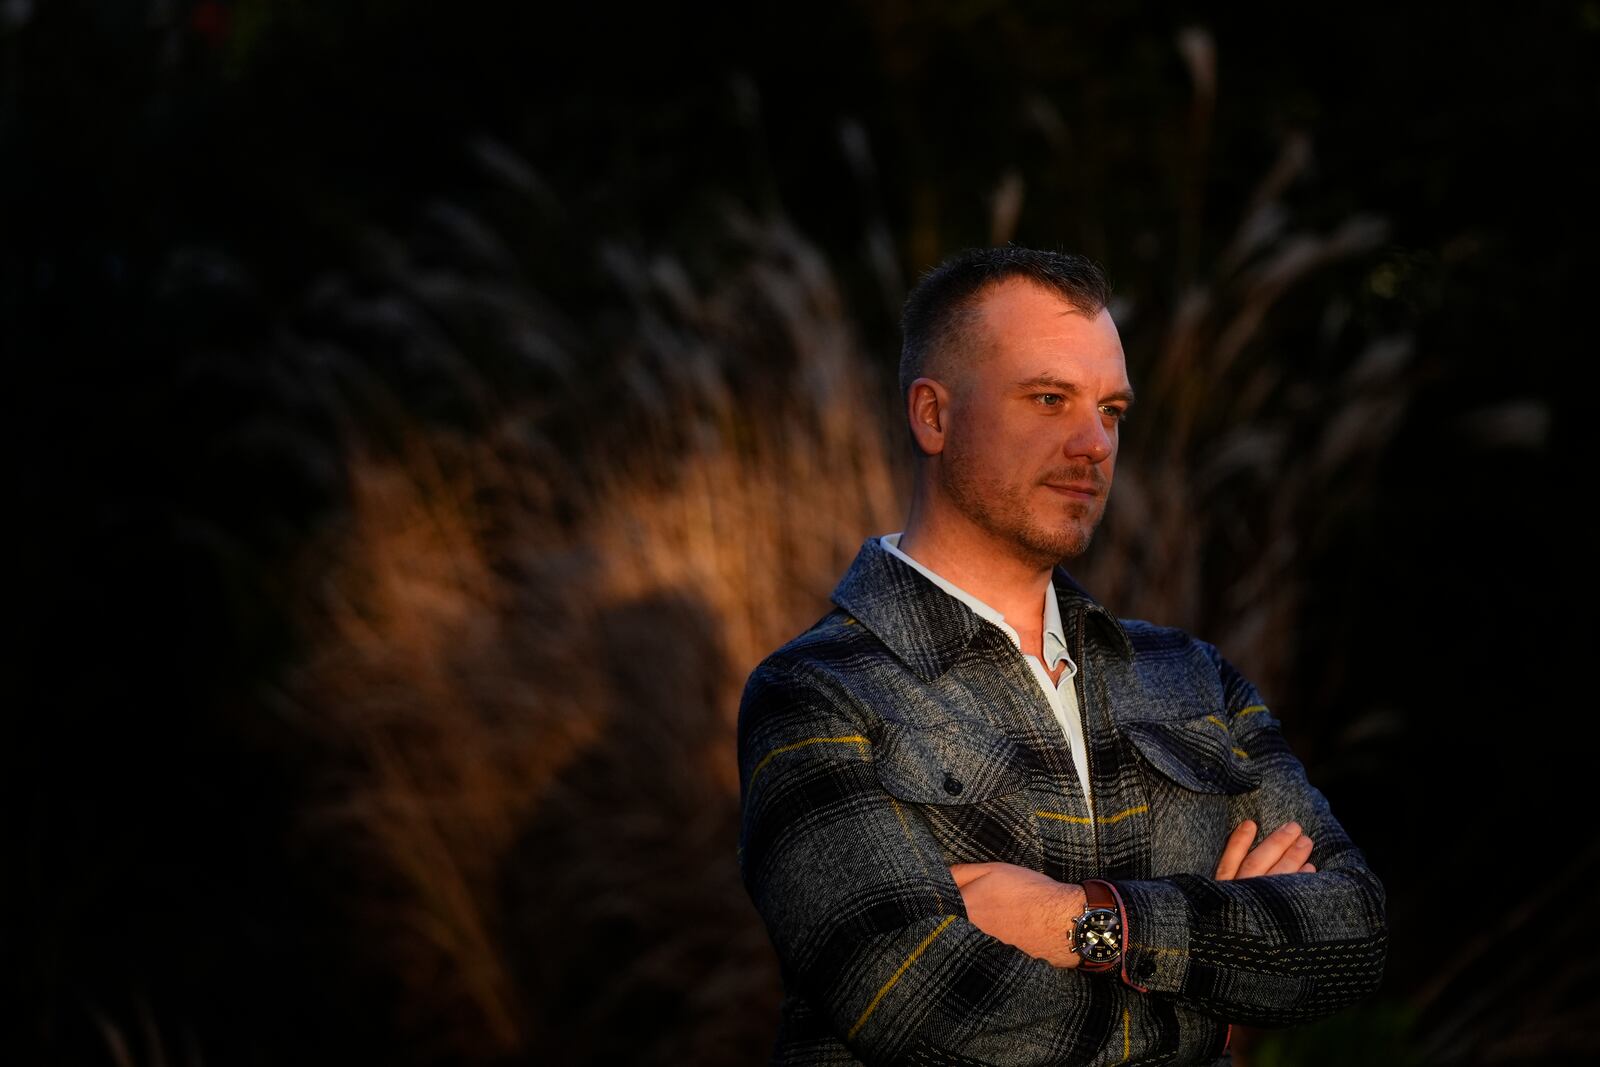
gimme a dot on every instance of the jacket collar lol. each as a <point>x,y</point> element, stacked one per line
<point>927,627</point>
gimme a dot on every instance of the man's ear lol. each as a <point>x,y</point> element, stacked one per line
<point>928,408</point>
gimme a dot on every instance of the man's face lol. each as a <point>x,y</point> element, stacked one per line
<point>1032,437</point>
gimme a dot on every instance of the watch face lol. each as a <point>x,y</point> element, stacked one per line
<point>1098,935</point>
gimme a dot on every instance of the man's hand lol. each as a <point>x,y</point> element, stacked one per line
<point>1034,912</point>
<point>1021,907</point>
<point>1284,851</point>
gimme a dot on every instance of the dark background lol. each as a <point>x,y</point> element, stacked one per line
<point>423,418</point>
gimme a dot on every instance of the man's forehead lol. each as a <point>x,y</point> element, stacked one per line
<point>1036,329</point>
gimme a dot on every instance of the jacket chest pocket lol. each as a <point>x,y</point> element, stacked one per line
<point>1196,754</point>
<point>1198,785</point>
<point>968,782</point>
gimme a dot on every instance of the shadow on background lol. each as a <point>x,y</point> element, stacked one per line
<point>633,935</point>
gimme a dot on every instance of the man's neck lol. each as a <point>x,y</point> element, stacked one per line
<point>967,557</point>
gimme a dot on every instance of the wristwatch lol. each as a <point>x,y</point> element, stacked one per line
<point>1097,933</point>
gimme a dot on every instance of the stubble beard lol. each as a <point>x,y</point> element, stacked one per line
<point>1003,510</point>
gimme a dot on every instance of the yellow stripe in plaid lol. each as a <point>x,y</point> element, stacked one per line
<point>1083,820</point>
<point>895,977</point>
<point>1107,820</point>
<point>1251,710</point>
<point>1061,816</point>
<point>781,749</point>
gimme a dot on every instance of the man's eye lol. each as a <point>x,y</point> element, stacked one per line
<point>1050,400</point>
<point>1120,414</point>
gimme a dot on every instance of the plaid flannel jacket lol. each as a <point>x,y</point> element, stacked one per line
<point>902,734</point>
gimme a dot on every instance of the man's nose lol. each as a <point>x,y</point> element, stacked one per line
<point>1090,439</point>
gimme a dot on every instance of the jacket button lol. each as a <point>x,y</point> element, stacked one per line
<point>952,785</point>
<point>1146,968</point>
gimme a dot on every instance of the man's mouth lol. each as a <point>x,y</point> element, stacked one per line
<point>1081,489</point>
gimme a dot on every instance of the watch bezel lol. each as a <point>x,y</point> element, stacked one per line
<point>1089,940</point>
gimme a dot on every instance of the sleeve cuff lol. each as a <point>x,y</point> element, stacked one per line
<point>1155,935</point>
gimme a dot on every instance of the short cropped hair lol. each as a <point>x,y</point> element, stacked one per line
<point>942,310</point>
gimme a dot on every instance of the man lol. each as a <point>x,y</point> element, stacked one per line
<point>986,821</point>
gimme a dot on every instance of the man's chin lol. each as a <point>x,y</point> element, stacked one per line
<point>1056,548</point>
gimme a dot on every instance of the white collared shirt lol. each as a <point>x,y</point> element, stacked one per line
<point>1061,695</point>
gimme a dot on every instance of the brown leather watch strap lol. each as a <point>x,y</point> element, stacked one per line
<point>1098,894</point>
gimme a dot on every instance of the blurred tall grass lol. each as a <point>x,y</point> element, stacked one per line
<point>527,656</point>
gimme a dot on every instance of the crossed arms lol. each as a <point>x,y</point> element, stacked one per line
<point>906,958</point>
<point>1029,910</point>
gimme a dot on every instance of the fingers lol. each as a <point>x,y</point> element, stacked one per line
<point>1284,851</point>
<point>1234,852</point>
<point>1295,857</point>
<point>1287,850</point>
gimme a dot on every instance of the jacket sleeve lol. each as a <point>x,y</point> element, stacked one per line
<point>870,928</point>
<point>1266,951</point>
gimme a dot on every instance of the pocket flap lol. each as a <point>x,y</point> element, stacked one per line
<point>1198,754</point>
<point>959,763</point>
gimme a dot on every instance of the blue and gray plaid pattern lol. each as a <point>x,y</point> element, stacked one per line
<point>902,734</point>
